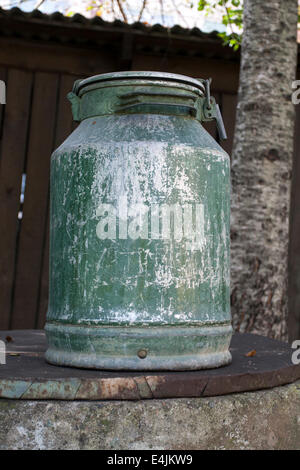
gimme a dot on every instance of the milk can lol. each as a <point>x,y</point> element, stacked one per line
<point>140,205</point>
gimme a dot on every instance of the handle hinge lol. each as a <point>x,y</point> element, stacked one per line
<point>210,110</point>
<point>75,103</point>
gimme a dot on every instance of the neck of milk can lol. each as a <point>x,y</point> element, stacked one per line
<point>145,93</point>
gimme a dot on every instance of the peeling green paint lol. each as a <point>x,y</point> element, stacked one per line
<point>13,388</point>
<point>141,141</point>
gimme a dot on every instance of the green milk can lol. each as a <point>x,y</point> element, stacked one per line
<point>139,232</point>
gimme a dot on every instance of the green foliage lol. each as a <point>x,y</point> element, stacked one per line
<point>232,18</point>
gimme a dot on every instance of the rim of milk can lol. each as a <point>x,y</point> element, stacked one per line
<point>138,75</point>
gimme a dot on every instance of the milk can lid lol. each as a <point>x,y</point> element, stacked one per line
<point>137,75</point>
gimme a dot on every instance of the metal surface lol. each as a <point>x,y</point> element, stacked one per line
<point>139,252</point>
<point>139,76</point>
<point>27,376</point>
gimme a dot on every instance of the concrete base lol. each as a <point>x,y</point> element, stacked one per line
<point>268,419</point>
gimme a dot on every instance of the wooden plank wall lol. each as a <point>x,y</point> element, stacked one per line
<point>294,246</point>
<point>36,120</point>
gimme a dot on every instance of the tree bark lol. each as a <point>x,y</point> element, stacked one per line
<point>261,167</point>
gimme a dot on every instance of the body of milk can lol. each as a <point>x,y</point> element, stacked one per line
<point>140,204</point>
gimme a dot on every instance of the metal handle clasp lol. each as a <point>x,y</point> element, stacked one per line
<point>75,102</point>
<point>211,111</point>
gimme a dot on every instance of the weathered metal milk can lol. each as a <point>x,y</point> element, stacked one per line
<point>139,257</point>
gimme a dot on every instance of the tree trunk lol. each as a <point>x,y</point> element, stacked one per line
<point>261,168</point>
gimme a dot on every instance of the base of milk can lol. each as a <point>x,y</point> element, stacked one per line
<point>139,347</point>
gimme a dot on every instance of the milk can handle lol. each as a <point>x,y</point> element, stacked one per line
<point>211,110</point>
<point>75,103</point>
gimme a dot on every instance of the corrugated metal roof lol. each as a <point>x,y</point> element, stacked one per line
<point>95,32</point>
<point>80,29</point>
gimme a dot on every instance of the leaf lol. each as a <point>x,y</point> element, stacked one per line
<point>202,4</point>
<point>251,353</point>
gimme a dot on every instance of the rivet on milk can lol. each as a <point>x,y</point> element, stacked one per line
<point>140,206</point>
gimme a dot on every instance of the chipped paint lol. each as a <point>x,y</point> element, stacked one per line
<point>138,160</point>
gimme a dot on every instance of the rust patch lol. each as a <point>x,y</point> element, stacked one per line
<point>251,353</point>
<point>143,387</point>
<point>180,384</point>
<point>118,388</point>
